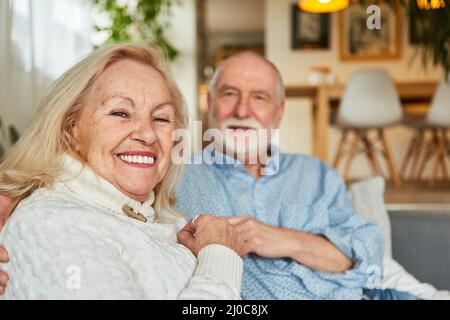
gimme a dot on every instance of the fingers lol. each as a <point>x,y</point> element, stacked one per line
<point>3,275</point>
<point>186,236</point>
<point>235,220</point>
<point>189,227</point>
<point>4,258</point>
<point>203,219</point>
<point>238,219</point>
<point>247,248</point>
<point>3,279</point>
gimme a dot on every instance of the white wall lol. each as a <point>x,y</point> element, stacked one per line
<point>247,15</point>
<point>294,65</point>
<point>183,35</point>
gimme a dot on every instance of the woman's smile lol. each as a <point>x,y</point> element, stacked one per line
<point>139,159</point>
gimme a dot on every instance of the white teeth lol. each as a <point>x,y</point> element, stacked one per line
<point>137,159</point>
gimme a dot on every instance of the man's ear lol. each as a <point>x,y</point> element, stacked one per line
<point>210,103</point>
<point>280,112</point>
<point>210,112</point>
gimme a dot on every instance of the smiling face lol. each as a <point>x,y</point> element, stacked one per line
<point>245,99</point>
<point>124,131</point>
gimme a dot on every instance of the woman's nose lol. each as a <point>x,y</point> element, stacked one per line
<point>144,132</point>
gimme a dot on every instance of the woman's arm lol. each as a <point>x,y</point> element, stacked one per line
<point>218,275</point>
<point>53,257</point>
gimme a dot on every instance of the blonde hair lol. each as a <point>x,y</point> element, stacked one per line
<point>32,162</point>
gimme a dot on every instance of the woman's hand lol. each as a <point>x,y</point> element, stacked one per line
<point>5,202</point>
<point>3,276</point>
<point>207,230</point>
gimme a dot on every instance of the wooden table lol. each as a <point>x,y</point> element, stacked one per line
<point>323,95</point>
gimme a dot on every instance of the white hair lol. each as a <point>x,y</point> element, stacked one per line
<point>279,91</point>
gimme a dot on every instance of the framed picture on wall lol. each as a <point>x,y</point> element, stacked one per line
<point>309,30</point>
<point>358,42</point>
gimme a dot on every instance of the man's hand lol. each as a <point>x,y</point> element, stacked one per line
<point>5,203</point>
<point>312,251</point>
<point>207,230</point>
<point>3,276</point>
<point>262,239</point>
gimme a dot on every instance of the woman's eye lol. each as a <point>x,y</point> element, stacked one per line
<point>121,114</point>
<point>161,119</point>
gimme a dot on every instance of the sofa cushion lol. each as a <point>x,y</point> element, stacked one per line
<point>368,199</point>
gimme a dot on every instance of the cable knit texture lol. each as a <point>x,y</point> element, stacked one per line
<point>72,241</point>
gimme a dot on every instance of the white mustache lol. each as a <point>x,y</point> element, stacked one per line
<point>235,122</point>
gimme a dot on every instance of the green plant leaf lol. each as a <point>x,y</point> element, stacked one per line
<point>147,19</point>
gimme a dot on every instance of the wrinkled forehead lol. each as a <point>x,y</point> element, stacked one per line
<point>248,73</point>
<point>134,78</point>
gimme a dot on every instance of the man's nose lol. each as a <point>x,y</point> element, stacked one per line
<point>242,110</point>
<point>144,132</point>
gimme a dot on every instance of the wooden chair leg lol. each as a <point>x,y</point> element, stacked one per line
<point>351,153</point>
<point>427,153</point>
<point>440,152</point>
<point>340,150</point>
<point>409,154</point>
<point>418,152</point>
<point>371,154</point>
<point>390,160</point>
<point>442,160</point>
<point>447,148</point>
<point>447,142</point>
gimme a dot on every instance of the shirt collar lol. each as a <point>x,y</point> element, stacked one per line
<point>82,180</point>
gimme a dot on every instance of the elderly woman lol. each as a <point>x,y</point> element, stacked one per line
<point>93,182</point>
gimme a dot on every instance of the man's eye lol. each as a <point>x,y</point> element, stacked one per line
<point>230,93</point>
<point>121,114</point>
<point>259,97</point>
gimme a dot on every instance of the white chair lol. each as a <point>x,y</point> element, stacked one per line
<point>431,138</point>
<point>370,103</point>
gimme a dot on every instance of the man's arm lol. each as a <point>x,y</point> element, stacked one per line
<point>347,242</point>
<point>312,251</point>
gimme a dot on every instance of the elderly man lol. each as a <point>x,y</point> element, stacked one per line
<point>303,239</point>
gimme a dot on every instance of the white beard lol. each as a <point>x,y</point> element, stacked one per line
<point>245,145</point>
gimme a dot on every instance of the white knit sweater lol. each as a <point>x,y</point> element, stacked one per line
<point>73,241</point>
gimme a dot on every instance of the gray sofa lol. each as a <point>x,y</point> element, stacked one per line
<point>421,244</point>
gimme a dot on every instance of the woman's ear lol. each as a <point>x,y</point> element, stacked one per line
<point>75,139</point>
